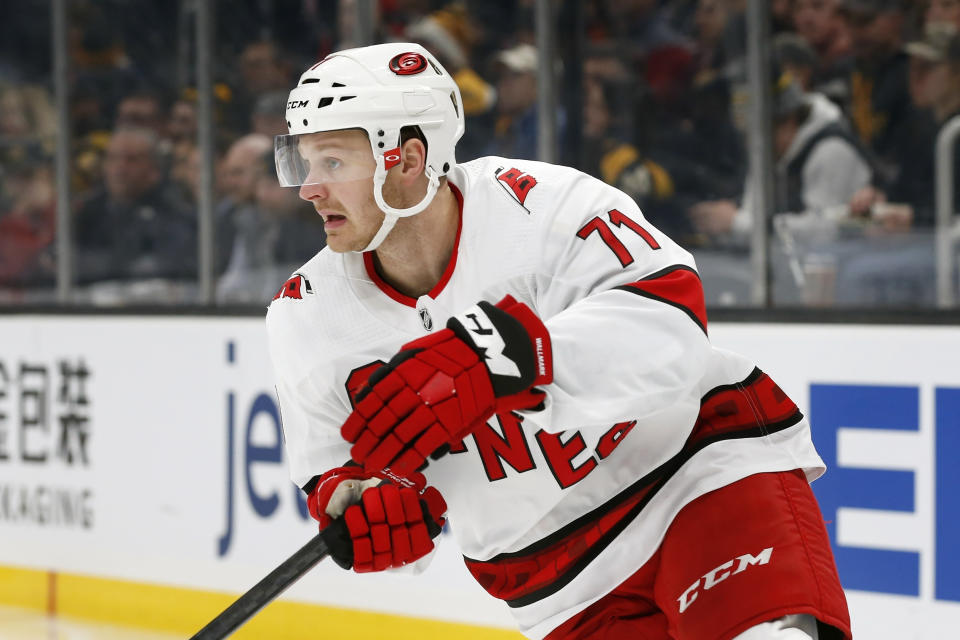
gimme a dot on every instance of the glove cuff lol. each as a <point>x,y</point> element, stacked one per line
<point>539,338</point>
<point>512,342</point>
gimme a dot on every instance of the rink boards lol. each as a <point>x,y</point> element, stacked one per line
<point>142,479</point>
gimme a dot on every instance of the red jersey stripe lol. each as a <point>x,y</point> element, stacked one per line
<point>677,285</point>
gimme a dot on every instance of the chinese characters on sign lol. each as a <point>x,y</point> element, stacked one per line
<point>44,425</point>
<point>74,423</point>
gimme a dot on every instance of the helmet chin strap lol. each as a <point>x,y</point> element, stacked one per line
<point>392,214</point>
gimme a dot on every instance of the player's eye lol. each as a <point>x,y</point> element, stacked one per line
<point>331,164</point>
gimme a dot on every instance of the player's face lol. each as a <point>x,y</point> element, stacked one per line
<point>350,215</point>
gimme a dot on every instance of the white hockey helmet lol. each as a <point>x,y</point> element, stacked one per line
<point>380,89</point>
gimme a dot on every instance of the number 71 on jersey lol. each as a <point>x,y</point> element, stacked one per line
<point>619,219</point>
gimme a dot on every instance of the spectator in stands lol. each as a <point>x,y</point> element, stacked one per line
<point>26,112</point>
<point>101,70</point>
<point>269,114</point>
<point>134,227</point>
<point>683,125</point>
<point>819,166</point>
<point>237,180</point>
<point>703,152</point>
<point>185,171</point>
<point>27,215</point>
<point>182,129</point>
<point>88,108</point>
<point>896,265</point>
<point>182,124</point>
<point>710,22</point>
<point>639,27</point>
<point>934,88</point>
<point>797,58</point>
<point>450,35</point>
<point>182,133</point>
<point>90,104</point>
<point>142,109</point>
<point>263,69</point>
<point>943,11</point>
<point>659,57</point>
<point>515,129</point>
<point>666,151</point>
<point>879,99</point>
<point>715,64</point>
<point>821,25</point>
<point>606,150</point>
<point>274,235</point>
<point>87,163</point>
<point>241,169</point>
<point>146,108</point>
<point>935,74</point>
<point>781,13</point>
<point>609,155</point>
<point>680,15</point>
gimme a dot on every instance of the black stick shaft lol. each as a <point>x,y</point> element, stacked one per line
<point>262,593</point>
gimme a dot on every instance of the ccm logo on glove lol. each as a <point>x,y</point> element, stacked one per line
<point>438,389</point>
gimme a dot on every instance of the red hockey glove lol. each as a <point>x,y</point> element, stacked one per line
<point>370,524</point>
<point>441,387</point>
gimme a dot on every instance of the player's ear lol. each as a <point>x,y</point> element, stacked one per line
<point>413,160</point>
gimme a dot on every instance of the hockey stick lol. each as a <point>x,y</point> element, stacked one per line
<point>275,583</point>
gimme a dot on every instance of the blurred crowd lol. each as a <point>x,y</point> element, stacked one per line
<point>653,98</point>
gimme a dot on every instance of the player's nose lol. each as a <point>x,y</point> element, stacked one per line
<point>311,192</point>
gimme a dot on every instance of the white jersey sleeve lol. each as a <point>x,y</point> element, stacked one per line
<point>624,307</point>
<point>310,414</point>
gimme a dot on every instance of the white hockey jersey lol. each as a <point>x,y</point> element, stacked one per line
<point>551,509</point>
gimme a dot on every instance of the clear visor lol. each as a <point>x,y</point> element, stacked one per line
<point>322,158</point>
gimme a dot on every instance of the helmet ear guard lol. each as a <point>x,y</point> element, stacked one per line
<point>380,89</point>
<point>393,214</point>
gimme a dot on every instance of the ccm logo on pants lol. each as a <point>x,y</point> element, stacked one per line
<point>718,574</point>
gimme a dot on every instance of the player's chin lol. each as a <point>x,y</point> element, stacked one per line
<point>344,243</point>
<point>337,247</point>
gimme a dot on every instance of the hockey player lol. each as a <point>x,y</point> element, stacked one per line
<point>511,345</point>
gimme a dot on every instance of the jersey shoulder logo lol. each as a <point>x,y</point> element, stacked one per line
<point>517,183</point>
<point>295,287</point>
